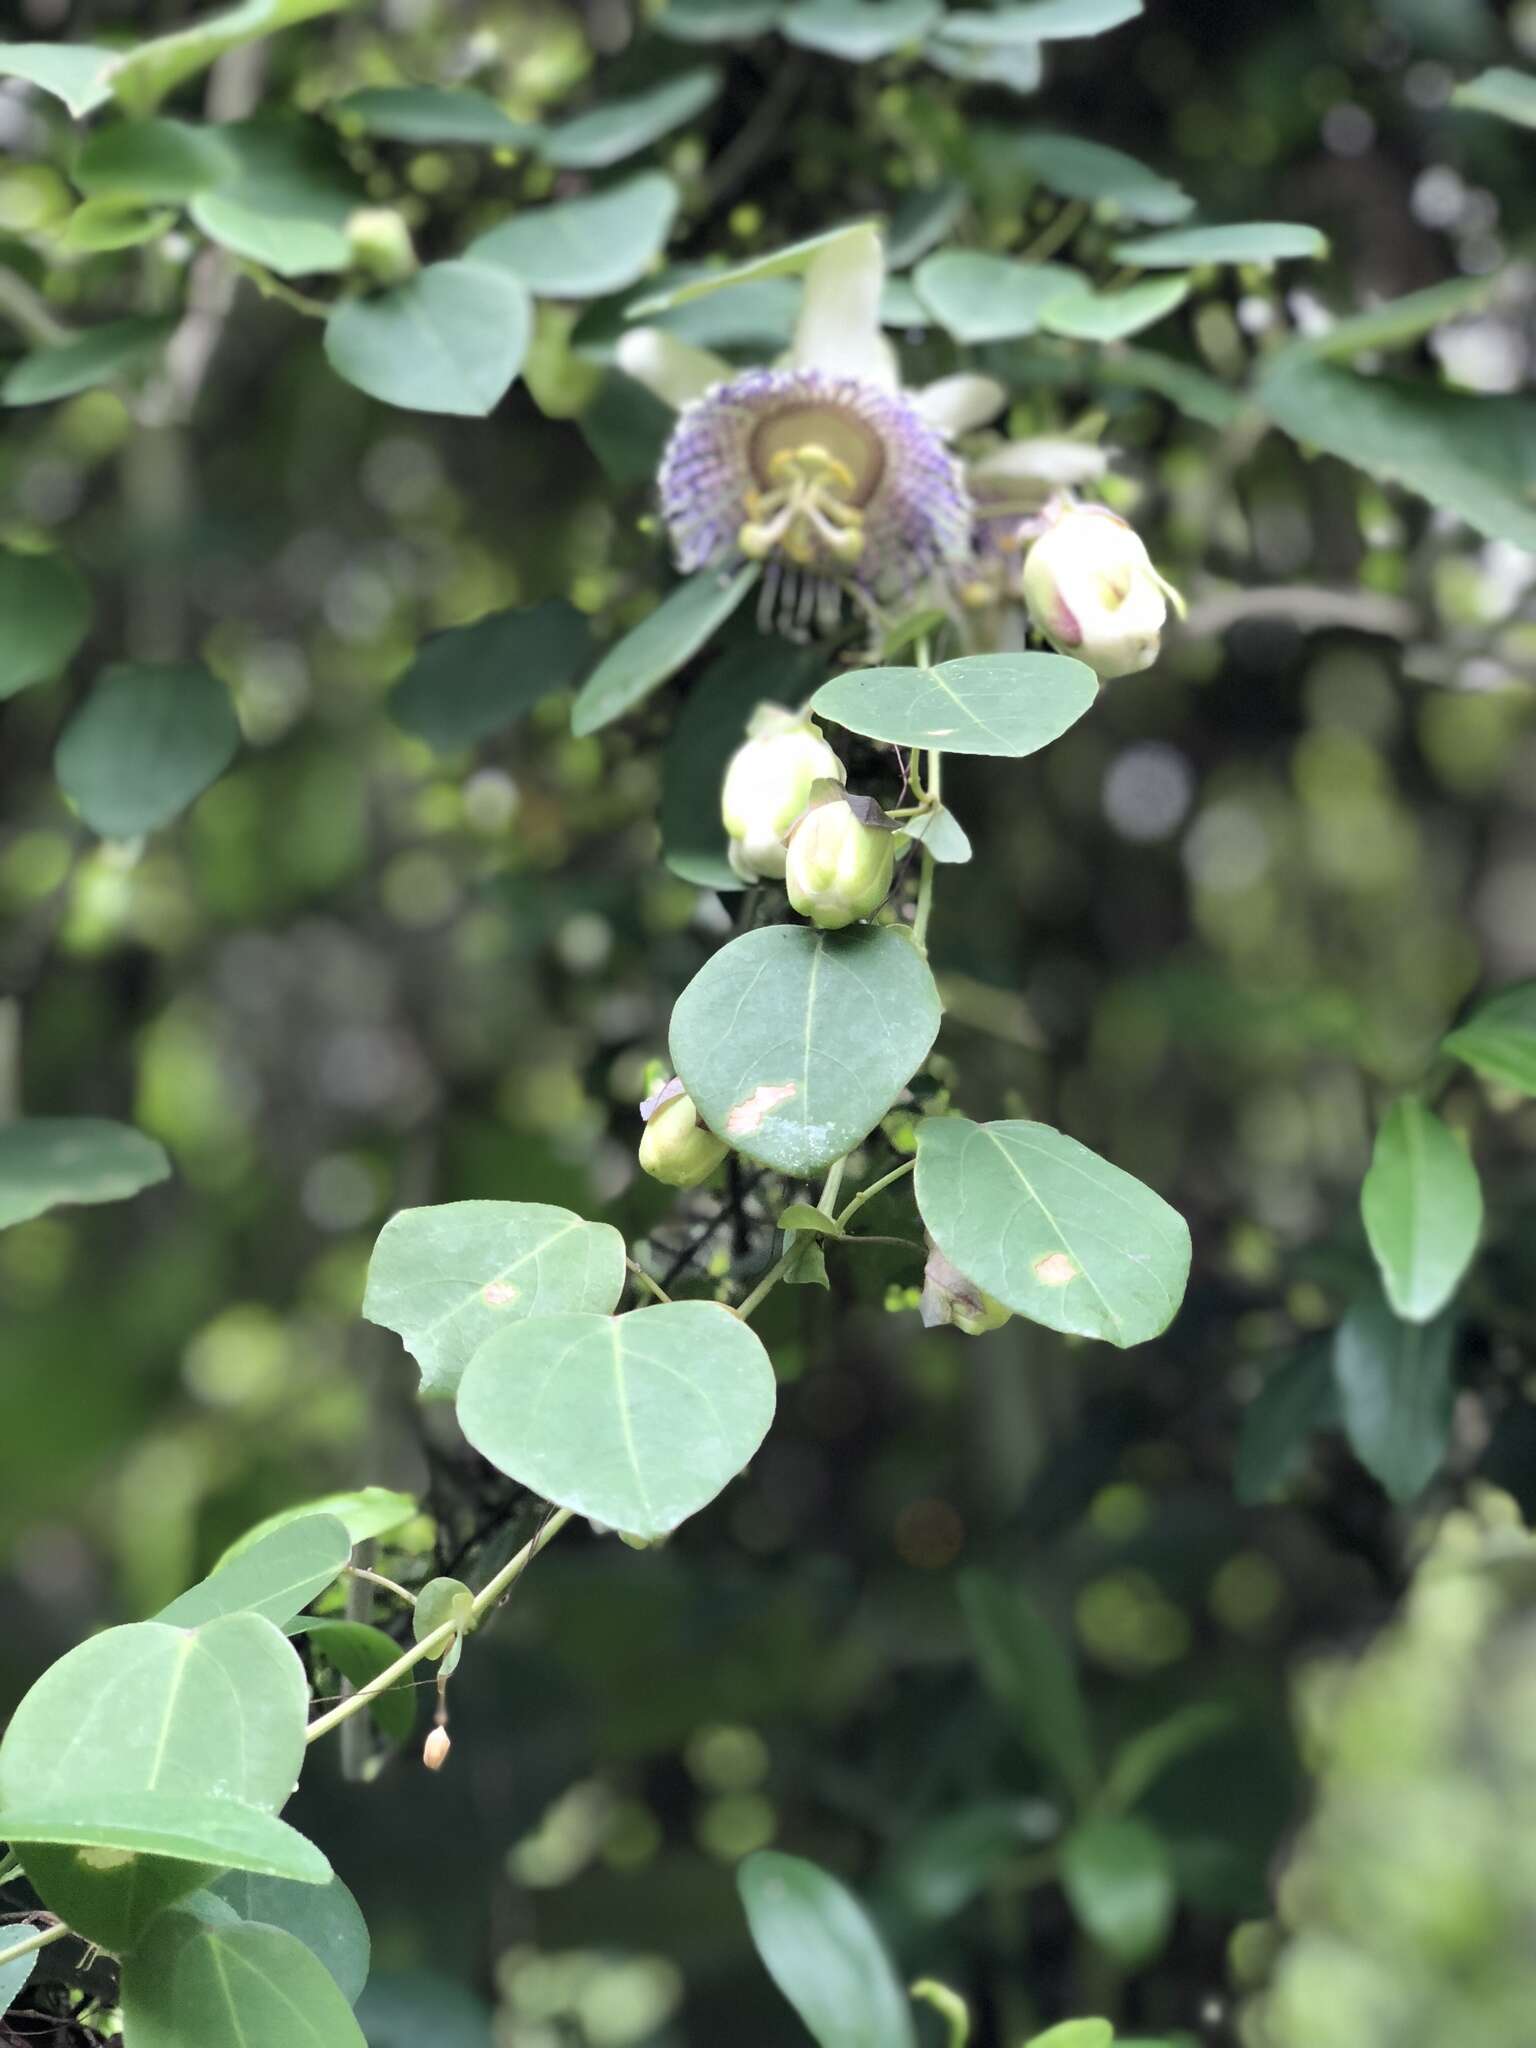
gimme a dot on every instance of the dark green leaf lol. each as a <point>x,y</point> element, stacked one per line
<point>152,160</point>
<point>658,647</point>
<point>636,1421</point>
<point>1296,1399</point>
<point>288,204</point>
<point>434,113</point>
<point>103,224</point>
<point>98,356</point>
<point>473,681</point>
<point>938,1869</point>
<point>1029,1670</point>
<point>362,1653</point>
<point>1139,1762</point>
<point>450,339</point>
<point>1394,1382</point>
<point>45,613</point>
<point>148,740</point>
<point>620,128</point>
<point>794,1043</point>
<point>820,1948</point>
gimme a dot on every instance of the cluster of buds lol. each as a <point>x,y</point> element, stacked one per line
<point>1091,591</point>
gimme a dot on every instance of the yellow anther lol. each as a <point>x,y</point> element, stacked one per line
<point>756,541</point>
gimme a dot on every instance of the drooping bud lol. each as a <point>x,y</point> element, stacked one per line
<point>949,1297</point>
<point>840,858</point>
<point>1092,591</point>
<point>676,1146</point>
<point>381,244</point>
<point>768,784</point>
<point>434,1751</point>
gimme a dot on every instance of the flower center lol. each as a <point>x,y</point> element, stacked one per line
<point>815,469</point>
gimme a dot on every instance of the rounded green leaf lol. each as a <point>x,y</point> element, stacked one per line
<point>47,1162</point>
<point>709,729</point>
<point>1111,316</point>
<point>231,1986</point>
<point>583,248</point>
<point>1499,1038</point>
<point>1080,169</point>
<point>433,113</point>
<point>859,30</point>
<point>148,740</point>
<point>110,1896</point>
<point>794,1043</point>
<point>658,647</point>
<point>325,1917</point>
<point>448,1277</point>
<point>364,1511</point>
<point>362,1653</point>
<point>439,1602</point>
<point>145,74</point>
<point>152,160</point>
<point>75,73</point>
<point>821,1949</point>
<point>1119,1882</point>
<point>1040,21</point>
<point>1008,704</point>
<point>1423,1210</point>
<point>621,127</point>
<point>471,681</point>
<point>450,339</point>
<point>1257,241</point>
<point>275,1577</point>
<point>288,204</point>
<point>45,612</point>
<point>98,356</point>
<point>977,297</point>
<point>1052,1230</point>
<point>637,1421</point>
<point>1394,1382</point>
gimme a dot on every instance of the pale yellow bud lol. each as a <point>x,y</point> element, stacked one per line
<point>768,784</point>
<point>675,1146</point>
<point>840,860</point>
<point>1092,591</point>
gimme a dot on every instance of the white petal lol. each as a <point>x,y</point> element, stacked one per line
<point>839,325</point>
<point>956,405</point>
<point>674,370</point>
<point>1044,461</point>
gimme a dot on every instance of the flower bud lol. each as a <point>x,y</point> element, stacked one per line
<point>768,784</point>
<point>434,1751</point>
<point>841,854</point>
<point>1092,591</point>
<point>675,1146</point>
<point>949,1297</point>
<point>381,244</point>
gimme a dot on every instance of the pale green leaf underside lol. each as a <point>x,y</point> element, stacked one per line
<point>1499,1038</point>
<point>75,73</point>
<point>275,1577</point>
<point>584,248</point>
<point>47,1162</point>
<point>1394,1382</point>
<point>225,1833</point>
<point>1052,1230</point>
<point>1008,704</point>
<point>1258,241</point>
<point>794,1043</point>
<point>1503,91</point>
<point>364,1512</point>
<point>821,1949</point>
<point>448,1277</point>
<point>637,1421</point>
<point>241,1984</point>
<point>1423,1210</point>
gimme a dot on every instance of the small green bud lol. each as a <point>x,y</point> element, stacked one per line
<point>1091,589</point>
<point>949,1297</point>
<point>675,1146</point>
<point>768,784</point>
<point>381,244</point>
<point>841,855</point>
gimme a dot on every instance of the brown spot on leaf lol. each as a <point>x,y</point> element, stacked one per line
<point>498,1293</point>
<point>747,1116</point>
<point>1055,1270</point>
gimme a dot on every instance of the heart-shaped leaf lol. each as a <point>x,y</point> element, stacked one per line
<point>148,740</point>
<point>47,1162</point>
<point>1051,1229</point>
<point>584,248</point>
<point>794,1043</point>
<point>637,1420</point>
<point>247,1985</point>
<point>472,681</point>
<point>275,1577</point>
<point>1009,704</point>
<point>450,339</point>
<point>448,1277</point>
